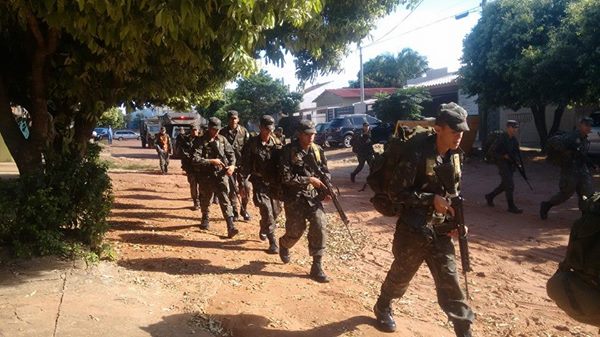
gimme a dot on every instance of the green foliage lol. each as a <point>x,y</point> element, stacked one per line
<point>402,105</point>
<point>389,71</point>
<point>112,117</point>
<point>41,214</point>
<point>260,94</point>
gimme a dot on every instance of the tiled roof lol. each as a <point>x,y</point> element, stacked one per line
<point>436,82</point>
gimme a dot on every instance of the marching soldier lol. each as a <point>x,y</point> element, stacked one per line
<point>301,200</point>
<point>280,135</point>
<point>163,147</point>
<point>575,175</point>
<point>237,136</point>
<point>216,162</point>
<point>362,146</point>
<point>260,156</point>
<point>188,147</point>
<point>421,198</point>
<point>507,154</point>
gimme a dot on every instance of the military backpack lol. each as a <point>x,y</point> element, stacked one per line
<point>555,149</point>
<point>384,164</point>
<point>490,145</point>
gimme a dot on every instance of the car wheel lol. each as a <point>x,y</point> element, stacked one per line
<point>120,138</point>
<point>347,141</point>
<point>138,138</point>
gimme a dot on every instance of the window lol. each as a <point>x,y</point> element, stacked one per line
<point>373,120</point>
<point>358,121</point>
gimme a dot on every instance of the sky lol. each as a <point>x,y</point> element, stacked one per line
<point>440,42</point>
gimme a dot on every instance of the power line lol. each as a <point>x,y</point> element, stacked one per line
<point>461,14</point>
<point>399,23</point>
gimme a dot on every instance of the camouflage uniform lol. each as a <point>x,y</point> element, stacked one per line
<point>212,179</point>
<point>260,163</point>
<point>301,201</point>
<point>575,175</point>
<point>164,149</point>
<point>363,147</point>
<point>506,145</point>
<point>188,147</point>
<point>237,138</point>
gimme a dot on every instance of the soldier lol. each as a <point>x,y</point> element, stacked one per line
<point>362,146</point>
<point>421,198</point>
<point>179,140</point>
<point>237,136</point>
<point>279,134</point>
<point>301,200</point>
<point>507,155</point>
<point>188,147</point>
<point>164,149</point>
<point>575,175</point>
<point>260,156</point>
<point>216,162</point>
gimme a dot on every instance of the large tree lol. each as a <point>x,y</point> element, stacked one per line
<point>389,71</point>
<point>510,60</point>
<point>404,104</point>
<point>68,61</point>
<point>260,94</point>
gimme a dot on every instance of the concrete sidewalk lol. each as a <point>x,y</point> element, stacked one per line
<point>51,297</point>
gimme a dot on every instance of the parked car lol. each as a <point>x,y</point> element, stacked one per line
<point>381,133</point>
<point>101,133</point>
<point>341,129</point>
<point>321,136</point>
<point>125,134</point>
<point>594,136</point>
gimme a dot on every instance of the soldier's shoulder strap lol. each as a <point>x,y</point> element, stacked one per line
<point>317,151</point>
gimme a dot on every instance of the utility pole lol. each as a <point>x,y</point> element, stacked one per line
<point>362,76</point>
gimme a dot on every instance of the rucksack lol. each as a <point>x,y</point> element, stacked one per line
<point>488,148</point>
<point>382,168</point>
<point>555,148</point>
<point>575,287</point>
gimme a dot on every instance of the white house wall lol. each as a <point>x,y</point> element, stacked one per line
<point>527,132</point>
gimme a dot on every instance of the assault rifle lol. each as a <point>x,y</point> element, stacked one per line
<point>518,161</point>
<point>311,162</point>
<point>446,174</point>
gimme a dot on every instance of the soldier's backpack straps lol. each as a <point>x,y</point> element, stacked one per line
<point>317,152</point>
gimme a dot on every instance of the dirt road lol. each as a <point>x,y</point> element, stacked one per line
<point>234,283</point>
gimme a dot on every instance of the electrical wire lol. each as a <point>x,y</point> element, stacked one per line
<point>399,23</point>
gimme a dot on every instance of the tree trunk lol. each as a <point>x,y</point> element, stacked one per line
<point>27,158</point>
<point>539,117</point>
<point>558,113</point>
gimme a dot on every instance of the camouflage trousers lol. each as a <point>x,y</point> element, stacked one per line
<point>507,183</point>
<point>362,159</point>
<point>243,186</point>
<point>267,206</point>
<point>163,158</point>
<point>572,181</point>
<point>410,249</point>
<point>297,213</point>
<point>194,186</point>
<point>220,188</point>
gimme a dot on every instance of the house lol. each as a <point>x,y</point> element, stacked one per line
<point>332,103</point>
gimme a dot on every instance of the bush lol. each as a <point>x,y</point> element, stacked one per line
<point>67,204</point>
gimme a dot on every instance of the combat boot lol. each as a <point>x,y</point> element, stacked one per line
<point>236,215</point>
<point>316,272</point>
<point>231,230</point>
<point>273,249</point>
<point>514,209</point>
<point>489,198</point>
<point>383,314</point>
<point>245,215</point>
<point>284,253</point>
<point>463,329</point>
<point>196,205</point>
<point>544,208</point>
<point>204,223</point>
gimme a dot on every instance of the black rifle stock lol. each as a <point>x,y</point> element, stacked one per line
<point>521,168</point>
<point>446,174</point>
<point>329,189</point>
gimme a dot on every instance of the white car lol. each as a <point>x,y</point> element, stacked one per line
<point>125,134</point>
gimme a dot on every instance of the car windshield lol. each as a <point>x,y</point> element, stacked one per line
<point>154,129</point>
<point>338,122</point>
<point>321,127</point>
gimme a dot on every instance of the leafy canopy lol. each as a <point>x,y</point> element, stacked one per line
<point>404,104</point>
<point>389,71</point>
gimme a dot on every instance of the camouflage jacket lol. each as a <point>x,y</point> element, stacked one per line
<point>576,149</point>
<point>507,146</point>
<point>208,148</point>
<point>414,182</point>
<point>260,160</point>
<point>295,173</point>
<point>237,138</point>
<point>362,145</point>
<point>163,142</point>
<point>188,147</point>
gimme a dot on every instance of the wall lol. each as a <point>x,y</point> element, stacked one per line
<point>330,100</point>
<point>528,133</point>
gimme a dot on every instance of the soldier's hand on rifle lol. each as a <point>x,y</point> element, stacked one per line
<point>454,233</point>
<point>216,162</point>
<point>316,182</point>
<point>442,206</point>
<point>230,170</point>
